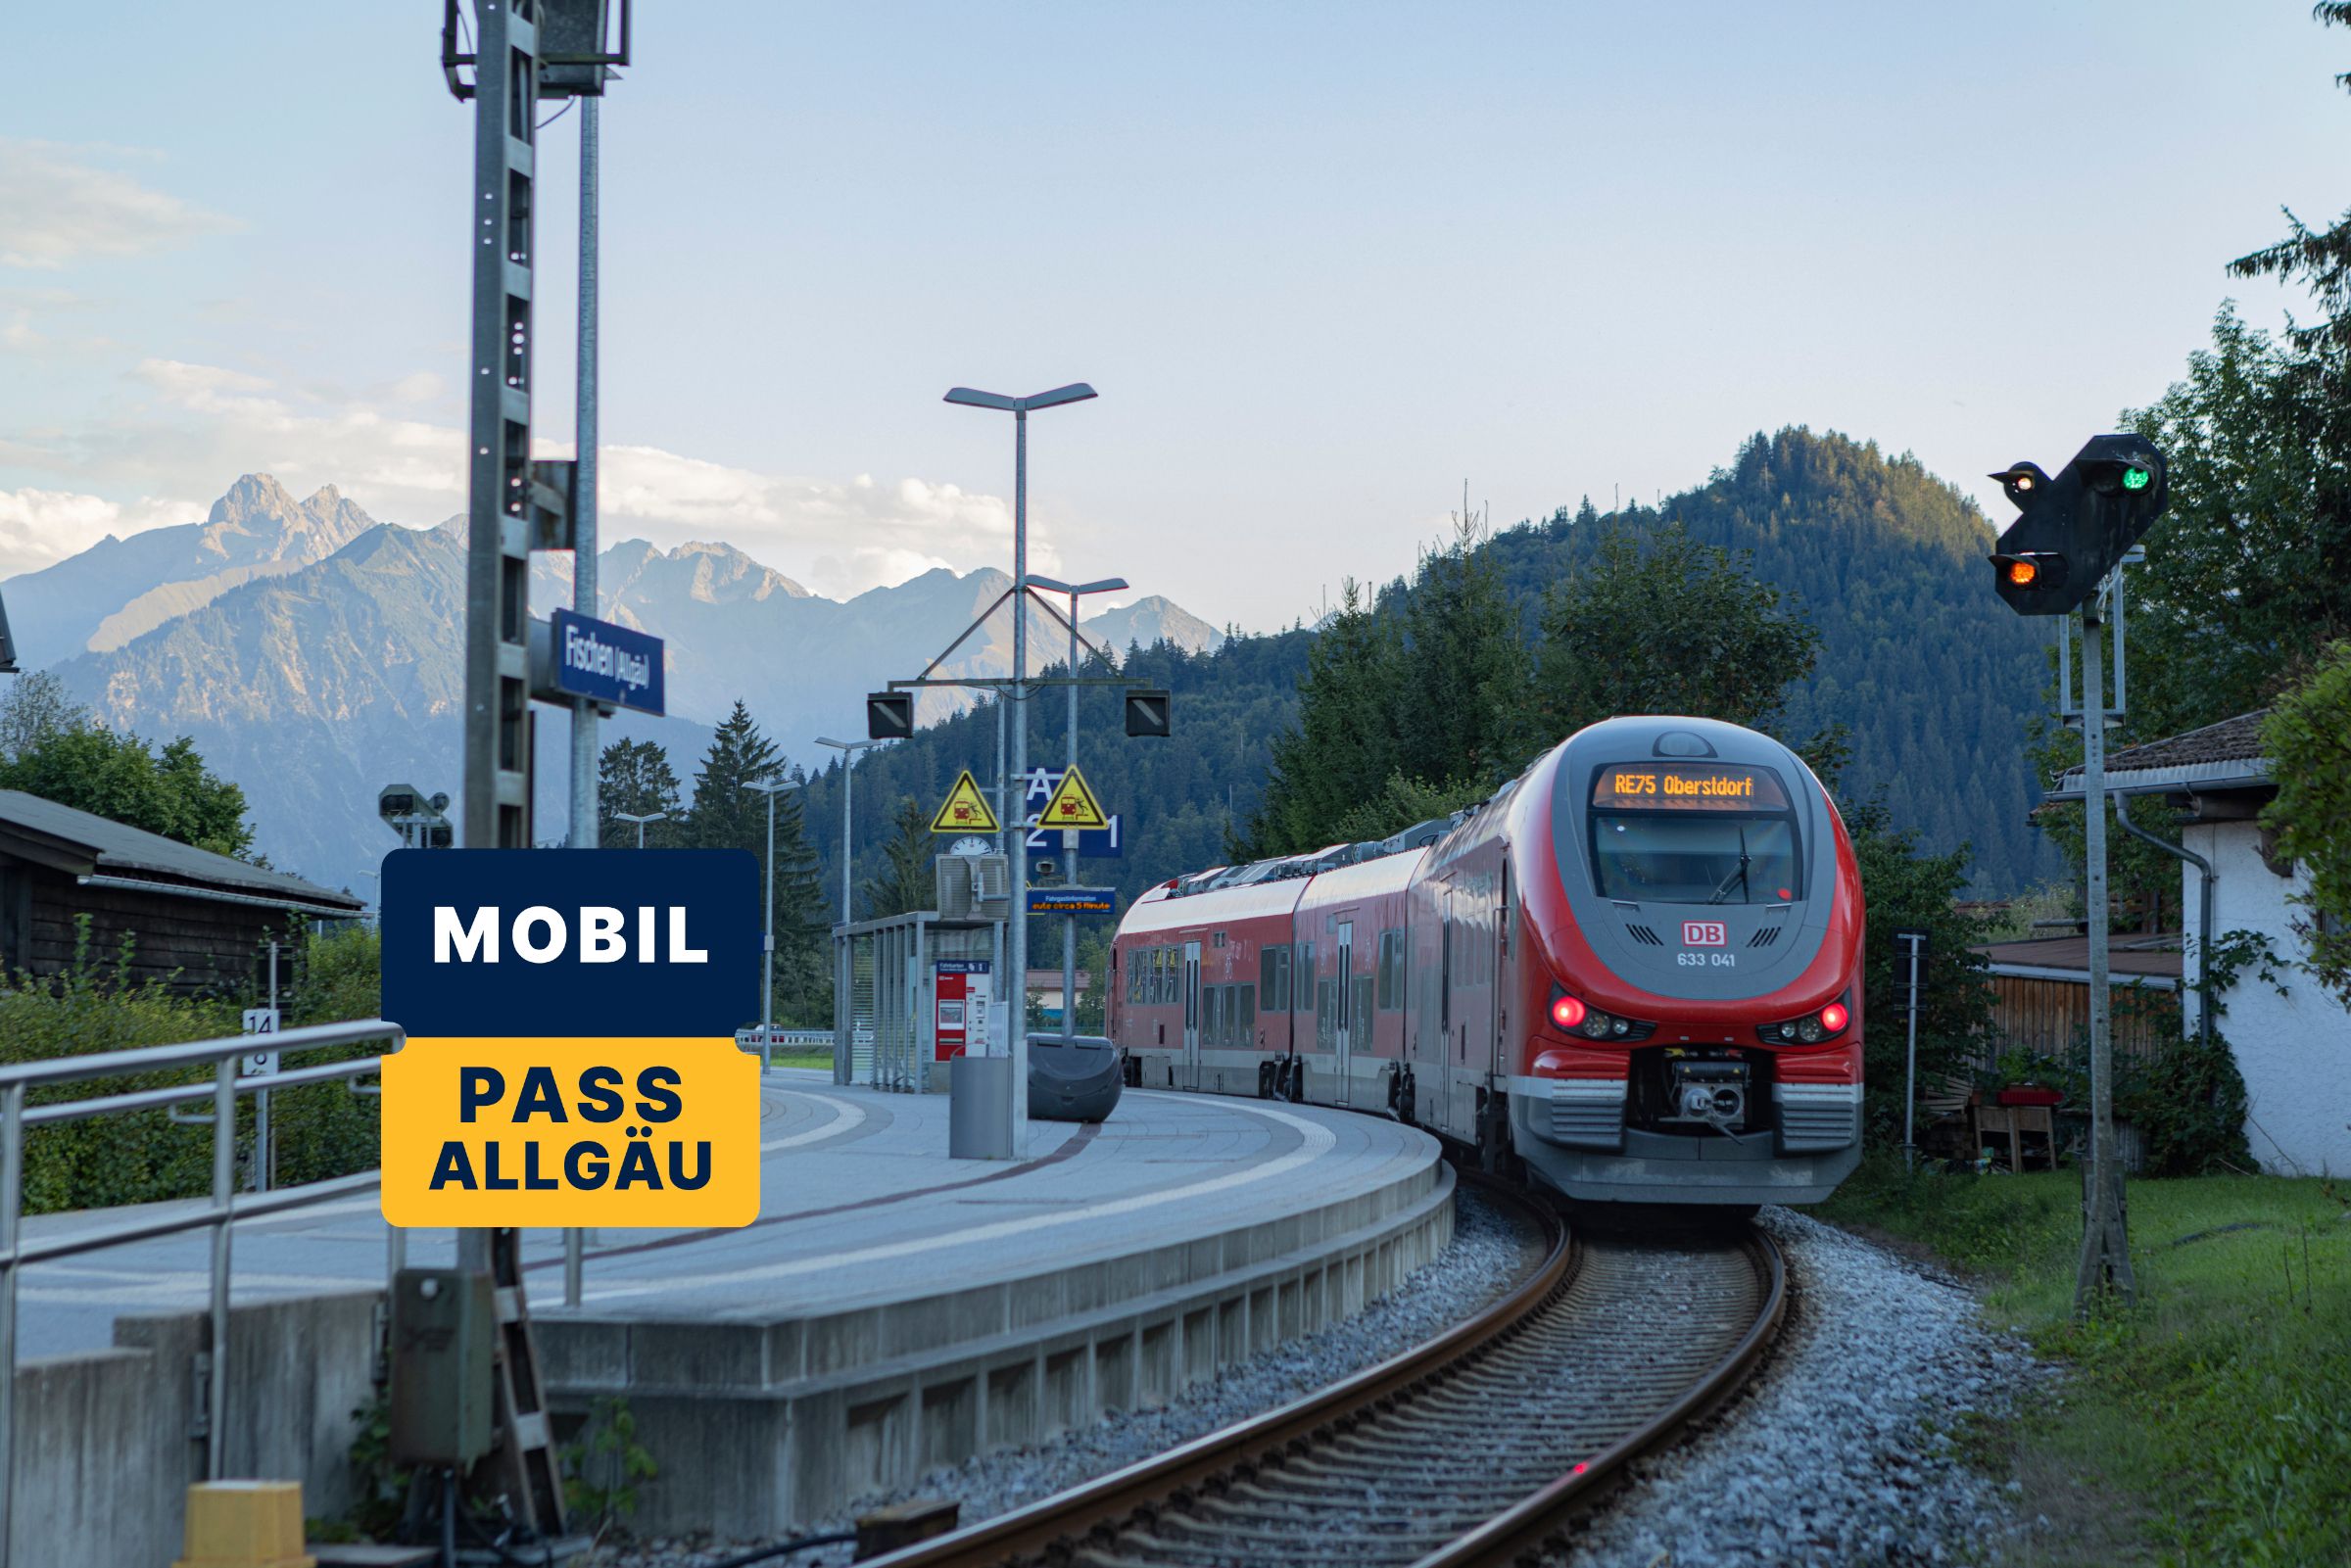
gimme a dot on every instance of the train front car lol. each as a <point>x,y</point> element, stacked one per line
<point>1691,969</point>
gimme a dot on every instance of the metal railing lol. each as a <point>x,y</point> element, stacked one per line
<point>226,1206</point>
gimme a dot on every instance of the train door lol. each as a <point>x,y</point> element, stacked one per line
<point>1191,1015</point>
<point>1343,1023</point>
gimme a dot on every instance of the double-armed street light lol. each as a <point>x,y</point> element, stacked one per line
<point>641,821</point>
<point>1017,961</point>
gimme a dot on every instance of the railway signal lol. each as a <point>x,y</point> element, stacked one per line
<point>889,715</point>
<point>2072,531</point>
<point>2073,528</point>
<point>1147,712</point>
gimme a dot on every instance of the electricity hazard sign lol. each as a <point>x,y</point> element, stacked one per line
<point>570,1056</point>
<point>1072,805</point>
<point>965,810</point>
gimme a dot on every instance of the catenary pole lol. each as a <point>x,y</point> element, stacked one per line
<point>584,599</point>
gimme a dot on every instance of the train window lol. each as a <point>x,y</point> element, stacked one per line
<point>1159,977</point>
<point>1713,859</point>
<point>1246,1024</point>
<point>1391,970</point>
<point>1302,977</point>
<point>1210,1017</point>
<point>1274,977</point>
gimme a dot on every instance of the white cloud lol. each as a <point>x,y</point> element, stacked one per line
<point>198,426</point>
<point>58,207</point>
<point>41,526</point>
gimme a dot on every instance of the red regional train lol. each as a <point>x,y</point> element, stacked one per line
<point>1635,974</point>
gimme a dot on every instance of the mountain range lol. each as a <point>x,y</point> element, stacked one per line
<point>314,654</point>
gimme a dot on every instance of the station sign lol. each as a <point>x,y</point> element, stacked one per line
<point>571,1056</point>
<point>1073,900</point>
<point>1093,843</point>
<point>585,657</point>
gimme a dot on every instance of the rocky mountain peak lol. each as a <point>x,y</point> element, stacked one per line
<point>259,520</point>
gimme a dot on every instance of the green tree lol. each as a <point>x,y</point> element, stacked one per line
<point>34,708</point>
<point>907,883</point>
<point>1656,622</point>
<point>727,813</point>
<point>1346,732</point>
<point>2308,736</point>
<point>634,777</point>
<point>116,776</point>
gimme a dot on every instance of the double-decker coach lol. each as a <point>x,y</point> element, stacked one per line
<point>1634,973</point>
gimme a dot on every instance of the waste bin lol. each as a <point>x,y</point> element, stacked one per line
<point>979,1108</point>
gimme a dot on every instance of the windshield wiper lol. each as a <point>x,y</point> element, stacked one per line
<point>1739,875</point>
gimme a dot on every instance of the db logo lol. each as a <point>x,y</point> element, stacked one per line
<point>1705,934</point>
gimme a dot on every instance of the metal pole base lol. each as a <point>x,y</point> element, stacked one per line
<point>2105,1268</point>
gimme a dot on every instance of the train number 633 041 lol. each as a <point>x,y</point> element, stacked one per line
<point>1698,961</point>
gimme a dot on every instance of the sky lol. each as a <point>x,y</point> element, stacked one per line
<point>1325,263</point>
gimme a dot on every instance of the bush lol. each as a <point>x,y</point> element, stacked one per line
<point>321,1131</point>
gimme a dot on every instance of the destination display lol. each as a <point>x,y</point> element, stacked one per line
<point>1686,787</point>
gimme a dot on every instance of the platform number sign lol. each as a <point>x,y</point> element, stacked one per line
<point>258,1064</point>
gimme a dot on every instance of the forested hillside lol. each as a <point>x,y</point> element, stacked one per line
<point>1931,675</point>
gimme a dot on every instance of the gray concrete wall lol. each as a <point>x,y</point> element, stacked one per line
<point>106,1444</point>
<point>763,1427</point>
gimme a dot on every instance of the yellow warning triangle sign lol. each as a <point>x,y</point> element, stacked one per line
<point>965,810</point>
<point>1072,805</point>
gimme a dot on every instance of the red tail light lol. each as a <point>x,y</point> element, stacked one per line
<point>1834,1017</point>
<point>1567,1011</point>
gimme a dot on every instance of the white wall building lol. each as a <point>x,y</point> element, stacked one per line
<point>2295,1050</point>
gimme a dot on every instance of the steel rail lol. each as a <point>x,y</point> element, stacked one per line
<point>1109,1498</point>
<point>1242,1467</point>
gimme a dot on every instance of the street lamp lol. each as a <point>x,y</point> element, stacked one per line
<point>849,750</point>
<point>1016,962</point>
<point>1068,924</point>
<point>651,815</point>
<point>767,990</point>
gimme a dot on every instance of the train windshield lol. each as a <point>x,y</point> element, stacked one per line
<point>1694,833</point>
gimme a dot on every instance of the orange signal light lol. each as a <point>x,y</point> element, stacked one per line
<point>2023,574</point>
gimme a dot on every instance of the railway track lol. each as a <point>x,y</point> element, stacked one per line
<point>1472,1449</point>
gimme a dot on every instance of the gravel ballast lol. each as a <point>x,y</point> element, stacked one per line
<point>1845,1453</point>
<point>1490,1251</point>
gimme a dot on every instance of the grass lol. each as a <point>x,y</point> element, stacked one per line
<point>2209,1423</point>
<point>803,1059</point>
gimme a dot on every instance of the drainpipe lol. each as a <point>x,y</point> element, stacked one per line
<point>2204,889</point>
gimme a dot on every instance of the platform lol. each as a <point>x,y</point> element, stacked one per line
<point>896,1310</point>
<point>891,1308</point>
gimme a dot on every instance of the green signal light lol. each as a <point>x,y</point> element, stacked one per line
<point>2135,479</point>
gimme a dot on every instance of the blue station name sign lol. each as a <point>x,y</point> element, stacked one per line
<point>606,663</point>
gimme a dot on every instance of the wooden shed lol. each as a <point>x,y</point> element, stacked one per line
<point>199,922</point>
<point>2041,991</point>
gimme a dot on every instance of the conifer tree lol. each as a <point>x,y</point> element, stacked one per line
<point>634,777</point>
<point>906,882</point>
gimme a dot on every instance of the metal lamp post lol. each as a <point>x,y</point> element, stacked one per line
<point>1017,961</point>
<point>651,815</point>
<point>849,750</point>
<point>767,986</point>
<point>1068,924</point>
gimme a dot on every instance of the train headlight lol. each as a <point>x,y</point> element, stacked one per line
<point>1813,1027</point>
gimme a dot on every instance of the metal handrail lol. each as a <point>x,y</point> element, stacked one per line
<point>222,1212</point>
